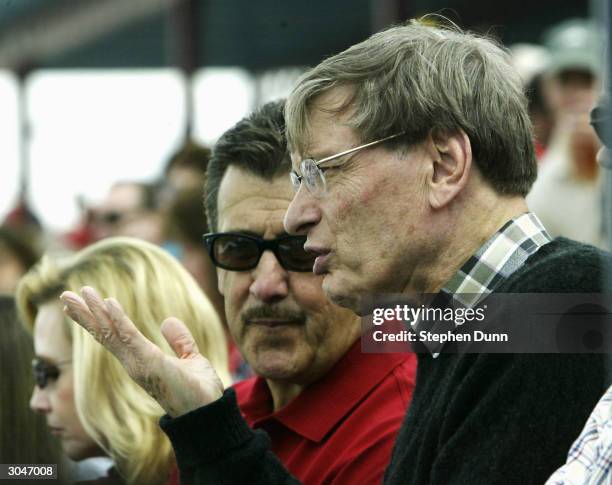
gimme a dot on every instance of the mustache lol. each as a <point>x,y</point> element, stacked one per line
<point>271,312</point>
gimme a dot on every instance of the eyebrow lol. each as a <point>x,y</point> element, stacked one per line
<point>337,157</point>
<point>313,156</point>
<point>351,151</point>
<point>247,232</point>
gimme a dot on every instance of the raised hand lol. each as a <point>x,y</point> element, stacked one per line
<point>179,384</point>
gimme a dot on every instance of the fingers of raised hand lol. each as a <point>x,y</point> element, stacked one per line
<point>78,310</point>
<point>123,325</point>
<point>96,316</point>
<point>179,337</point>
<point>98,309</point>
<point>109,325</point>
<point>130,338</point>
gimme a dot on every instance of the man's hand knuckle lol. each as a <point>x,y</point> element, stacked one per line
<point>125,338</point>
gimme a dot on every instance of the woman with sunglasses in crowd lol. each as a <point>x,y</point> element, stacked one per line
<point>89,401</point>
<point>23,436</point>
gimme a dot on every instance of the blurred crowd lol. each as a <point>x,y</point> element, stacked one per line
<point>563,82</point>
<point>167,213</point>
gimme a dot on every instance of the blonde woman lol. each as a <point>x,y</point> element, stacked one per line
<point>89,400</point>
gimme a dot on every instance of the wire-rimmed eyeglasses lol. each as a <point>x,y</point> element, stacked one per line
<point>312,173</point>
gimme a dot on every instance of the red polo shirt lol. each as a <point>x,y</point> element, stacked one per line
<point>340,429</point>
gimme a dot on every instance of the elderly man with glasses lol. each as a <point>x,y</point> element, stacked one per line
<point>412,154</point>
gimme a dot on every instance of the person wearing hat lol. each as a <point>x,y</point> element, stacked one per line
<point>567,194</point>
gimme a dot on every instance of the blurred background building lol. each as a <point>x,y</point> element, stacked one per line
<point>96,92</point>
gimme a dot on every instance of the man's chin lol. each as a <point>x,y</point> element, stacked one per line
<point>276,365</point>
<point>338,294</point>
<point>275,372</point>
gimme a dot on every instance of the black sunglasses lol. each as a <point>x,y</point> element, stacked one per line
<point>235,251</point>
<point>44,371</point>
<point>600,121</point>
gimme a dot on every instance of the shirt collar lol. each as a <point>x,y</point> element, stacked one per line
<point>313,414</point>
<point>495,261</point>
<point>501,255</point>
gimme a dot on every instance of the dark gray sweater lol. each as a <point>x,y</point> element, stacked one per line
<point>474,418</point>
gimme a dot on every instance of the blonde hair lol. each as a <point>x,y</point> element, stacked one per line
<point>150,285</point>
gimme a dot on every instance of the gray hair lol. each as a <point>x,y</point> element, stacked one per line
<point>416,79</point>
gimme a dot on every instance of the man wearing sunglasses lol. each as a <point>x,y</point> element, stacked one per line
<point>316,394</point>
<point>330,411</point>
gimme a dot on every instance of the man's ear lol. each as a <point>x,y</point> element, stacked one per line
<point>451,165</point>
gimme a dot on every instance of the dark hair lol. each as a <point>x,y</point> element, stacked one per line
<point>185,219</point>
<point>256,144</point>
<point>150,195</point>
<point>535,95</point>
<point>190,155</point>
<point>24,437</point>
<point>19,245</point>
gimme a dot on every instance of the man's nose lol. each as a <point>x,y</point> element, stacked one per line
<point>303,212</point>
<point>39,402</point>
<point>270,279</point>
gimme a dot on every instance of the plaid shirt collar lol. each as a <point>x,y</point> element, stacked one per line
<point>500,256</point>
